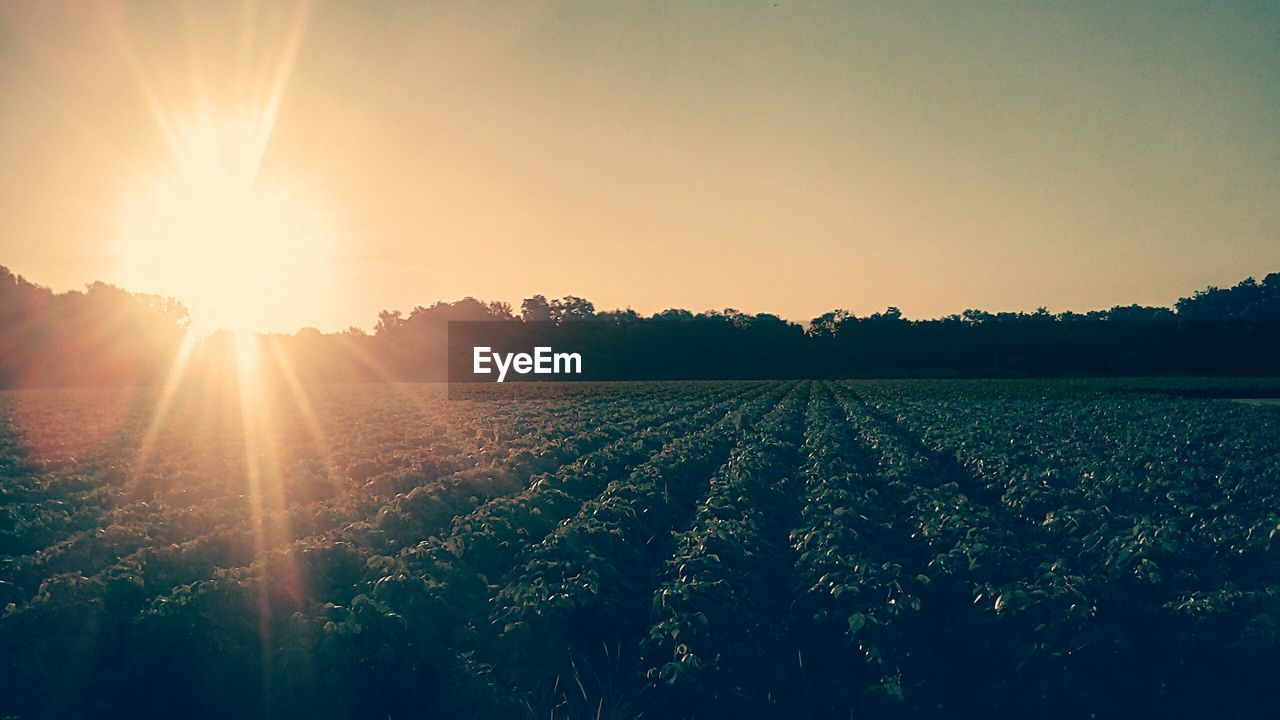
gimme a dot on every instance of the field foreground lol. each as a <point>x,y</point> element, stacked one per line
<point>760,549</point>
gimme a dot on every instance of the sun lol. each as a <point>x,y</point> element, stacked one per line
<point>243,249</point>
<point>215,219</point>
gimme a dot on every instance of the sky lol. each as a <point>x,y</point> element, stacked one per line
<point>280,165</point>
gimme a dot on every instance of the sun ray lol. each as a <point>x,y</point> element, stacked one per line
<point>278,83</point>
<point>301,401</point>
<point>265,485</point>
<point>384,375</point>
<point>146,88</point>
<point>168,391</point>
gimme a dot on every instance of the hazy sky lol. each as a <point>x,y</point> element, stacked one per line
<point>789,157</point>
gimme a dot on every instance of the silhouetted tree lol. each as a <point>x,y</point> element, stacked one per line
<point>828,324</point>
<point>570,308</point>
<point>891,314</point>
<point>535,309</point>
<point>1248,300</point>
<point>105,335</point>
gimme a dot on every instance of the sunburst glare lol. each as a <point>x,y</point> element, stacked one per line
<point>215,222</point>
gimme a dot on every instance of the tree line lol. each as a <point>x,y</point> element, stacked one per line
<point>105,335</point>
<point>102,335</point>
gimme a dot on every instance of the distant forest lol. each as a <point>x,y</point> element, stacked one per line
<point>107,336</point>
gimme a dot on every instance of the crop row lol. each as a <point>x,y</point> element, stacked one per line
<point>1151,527</point>
<point>714,613</point>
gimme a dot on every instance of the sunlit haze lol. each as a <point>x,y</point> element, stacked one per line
<point>276,165</point>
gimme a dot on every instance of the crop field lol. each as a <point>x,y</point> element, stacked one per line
<point>662,550</point>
